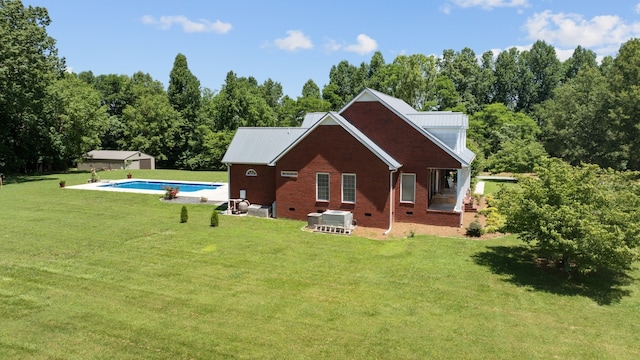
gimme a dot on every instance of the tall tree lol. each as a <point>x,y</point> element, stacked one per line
<point>29,63</point>
<point>624,103</point>
<point>496,124</point>
<point>507,77</point>
<point>77,118</point>
<point>580,58</point>
<point>485,86</point>
<point>546,71</point>
<point>463,70</point>
<point>184,89</point>
<point>577,128</point>
<point>310,90</point>
<point>271,92</point>
<point>347,80</point>
<point>412,78</point>
<point>153,126</point>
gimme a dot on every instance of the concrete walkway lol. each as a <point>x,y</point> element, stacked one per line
<point>479,190</point>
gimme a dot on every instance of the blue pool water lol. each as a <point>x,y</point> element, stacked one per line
<point>161,185</point>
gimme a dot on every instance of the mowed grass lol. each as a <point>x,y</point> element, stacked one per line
<point>104,275</point>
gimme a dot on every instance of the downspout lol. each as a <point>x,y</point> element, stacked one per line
<point>228,188</point>
<point>390,202</point>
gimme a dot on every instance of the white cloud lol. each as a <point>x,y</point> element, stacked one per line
<point>486,4</point>
<point>166,22</point>
<point>295,40</point>
<point>331,45</point>
<point>446,8</point>
<point>571,30</point>
<point>364,46</point>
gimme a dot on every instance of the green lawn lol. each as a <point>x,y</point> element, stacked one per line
<point>105,275</point>
<point>492,186</point>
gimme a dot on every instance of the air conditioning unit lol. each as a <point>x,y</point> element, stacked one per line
<point>337,218</point>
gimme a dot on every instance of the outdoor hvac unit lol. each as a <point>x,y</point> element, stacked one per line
<point>314,219</point>
<point>337,218</point>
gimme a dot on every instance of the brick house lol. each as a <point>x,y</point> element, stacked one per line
<point>377,158</point>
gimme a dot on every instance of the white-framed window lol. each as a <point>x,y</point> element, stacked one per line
<point>408,188</point>
<point>348,188</point>
<point>322,187</point>
<point>289,173</point>
<point>251,172</point>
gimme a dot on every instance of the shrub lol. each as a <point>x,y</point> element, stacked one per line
<point>184,215</point>
<point>474,229</point>
<point>214,218</point>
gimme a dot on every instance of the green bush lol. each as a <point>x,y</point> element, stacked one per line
<point>474,229</point>
<point>184,215</point>
<point>214,218</point>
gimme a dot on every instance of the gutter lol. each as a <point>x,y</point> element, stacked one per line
<point>390,202</point>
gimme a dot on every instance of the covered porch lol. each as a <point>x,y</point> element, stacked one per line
<point>448,188</point>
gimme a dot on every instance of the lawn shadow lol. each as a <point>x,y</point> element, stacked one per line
<point>519,264</point>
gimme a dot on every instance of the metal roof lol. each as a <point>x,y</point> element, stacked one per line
<point>353,131</point>
<point>259,145</point>
<point>439,119</point>
<point>115,155</point>
<point>311,118</point>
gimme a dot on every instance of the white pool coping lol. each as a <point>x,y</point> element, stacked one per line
<point>220,194</point>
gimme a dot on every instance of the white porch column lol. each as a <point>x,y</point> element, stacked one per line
<point>464,182</point>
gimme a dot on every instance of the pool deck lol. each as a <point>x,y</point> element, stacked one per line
<point>221,194</point>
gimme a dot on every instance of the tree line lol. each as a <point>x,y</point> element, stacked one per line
<point>523,105</point>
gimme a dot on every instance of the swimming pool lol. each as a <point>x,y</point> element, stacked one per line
<point>160,185</point>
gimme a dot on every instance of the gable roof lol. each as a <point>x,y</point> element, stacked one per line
<point>259,145</point>
<point>406,113</point>
<point>311,118</point>
<point>333,117</point>
<point>115,155</point>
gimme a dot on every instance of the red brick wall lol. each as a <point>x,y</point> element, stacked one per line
<point>261,189</point>
<point>332,150</point>
<point>413,150</point>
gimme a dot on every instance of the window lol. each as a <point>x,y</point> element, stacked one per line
<point>251,172</point>
<point>408,188</point>
<point>322,187</point>
<point>289,173</point>
<point>349,188</point>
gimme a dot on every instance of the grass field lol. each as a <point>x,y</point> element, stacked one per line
<point>108,275</point>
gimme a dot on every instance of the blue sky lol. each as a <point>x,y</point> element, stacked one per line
<point>294,41</point>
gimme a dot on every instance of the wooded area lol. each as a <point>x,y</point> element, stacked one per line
<point>523,105</point>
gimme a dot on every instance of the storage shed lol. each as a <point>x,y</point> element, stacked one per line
<point>117,159</point>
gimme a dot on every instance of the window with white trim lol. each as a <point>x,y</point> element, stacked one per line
<point>322,187</point>
<point>408,188</point>
<point>251,172</point>
<point>348,188</point>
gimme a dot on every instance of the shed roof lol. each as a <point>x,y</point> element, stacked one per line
<point>259,145</point>
<point>116,155</point>
<point>333,117</point>
<point>439,119</point>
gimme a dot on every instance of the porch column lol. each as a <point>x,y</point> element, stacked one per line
<point>464,182</point>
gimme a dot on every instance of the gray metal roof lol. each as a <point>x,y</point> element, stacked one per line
<point>311,118</point>
<point>259,145</point>
<point>116,155</point>
<point>357,134</point>
<point>439,119</point>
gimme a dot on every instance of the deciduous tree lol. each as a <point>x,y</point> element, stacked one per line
<point>578,218</point>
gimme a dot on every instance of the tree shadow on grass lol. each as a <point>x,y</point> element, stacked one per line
<point>519,264</point>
